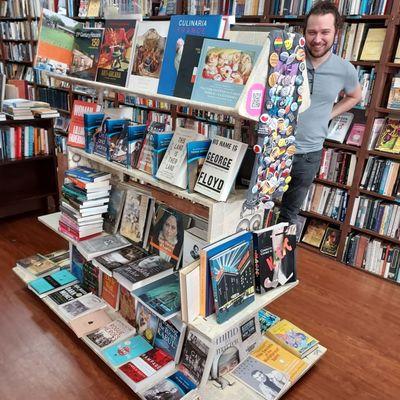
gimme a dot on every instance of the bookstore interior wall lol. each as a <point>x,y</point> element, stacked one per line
<point>126,185</point>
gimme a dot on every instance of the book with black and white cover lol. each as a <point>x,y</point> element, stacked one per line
<point>134,216</point>
<point>82,306</point>
<point>339,127</point>
<point>194,239</point>
<point>114,331</point>
<point>139,273</point>
<point>220,168</point>
<point>110,261</point>
<point>115,207</point>
<point>173,166</point>
<point>101,245</point>
<point>67,294</point>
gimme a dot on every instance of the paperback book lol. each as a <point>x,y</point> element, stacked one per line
<point>110,291</point>
<point>315,232</point>
<point>330,243</point>
<point>196,154</point>
<point>146,322</point>
<point>67,294</point>
<point>115,207</point>
<point>81,306</point>
<point>48,284</point>
<point>127,306</point>
<point>89,322</point>
<point>339,127</point>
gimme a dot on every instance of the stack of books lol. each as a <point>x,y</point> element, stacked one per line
<point>85,197</point>
<point>28,109</point>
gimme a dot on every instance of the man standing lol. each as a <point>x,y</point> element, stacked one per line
<point>328,76</point>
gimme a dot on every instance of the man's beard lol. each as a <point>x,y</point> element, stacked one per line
<point>320,55</point>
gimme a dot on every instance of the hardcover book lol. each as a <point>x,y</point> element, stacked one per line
<point>394,94</point>
<point>134,216</point>
<point>146,322</point>
<point>104,145</point>
<point>159,143</point>
<point>220,168</point>
<point>67,294</point>
<point>87,174</point>
<point>196,154</point>
<point>85,53</point>
<point>189,278</point>
<point>93,124</point>
<point>166,234</point>
<point>119,146</point>
<point>373,44</point>
<point>149,46</point>
<point>388,136</point>
<point>115,207</point>
<point>232,276</point>
<point>125,350</point>
<point>223,71</point>
<point>339,127</point>
<point>116,51</point>
<point>315,232</point>
<point>330,243</point>
<point>180,26</point>
<point>161,296</point>
<point>111,333</point>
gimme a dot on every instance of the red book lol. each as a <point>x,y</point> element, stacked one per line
<point>110,291</point>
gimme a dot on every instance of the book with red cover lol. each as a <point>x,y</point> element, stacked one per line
<point>76,132</point>
<point>110,291</point>
<point>356,135</point>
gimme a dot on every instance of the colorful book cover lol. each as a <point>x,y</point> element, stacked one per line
<point>116,52</point>
<point>77,261</point>
<point>52,281</point>
<point>115,206</point>
<point>82,305</point>
<point>268,382</point>
<point>180,26</point>
<point>67,294</point>
<point>149,46</point>
<point>110,291</point>
<point>166,234</point>
<point>136,134</point>
<point>55,42</point>
<point>161,296</point>
<point>159,143</point>
<point>388,136</point>
<point>105,146</point>
<point>125,350</point>
<point>280,359</point>
<point>85,53</point>
<point>267,319</point>
<point>169,337</point>
<point>196,153</point>
<point>146,322</point>
<point>330,243</point>
<point>87,174</point>
<point>174,387</point>
<point>127,306</point>
<point>146,365</point>
<point>119,146</point>
<point>314,232</point>
<point>232,277</point>
<point>90,278</point>
<point>292,338</point>
<point>223,71</point>
<point>92,125</point>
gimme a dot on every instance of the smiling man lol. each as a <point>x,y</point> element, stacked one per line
<point>328,76</point>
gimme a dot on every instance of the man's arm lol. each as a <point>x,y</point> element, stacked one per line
<point>347,103</point>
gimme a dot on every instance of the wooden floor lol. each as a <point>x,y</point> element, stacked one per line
<point>355,315</point>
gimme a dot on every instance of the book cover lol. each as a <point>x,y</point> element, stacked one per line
<point>92,125</point>
<point>266,381</point>
<point>89,322</point>
<point>111,333</point>
<point>196,154</point>
<point>220,168</point>
<point>232,277</point>
<point>267,319</point>
<point>356,135</point>
<point>127,306</point>
<point>85,53</point>
<point>125,350</point>
<point>166,234</point>
<point>116,51</point>
<point>119,146</point>
<point>388,136</point>
<point>373,44</point>
<point>180,26</point>
<point>174,387</point>
<point>223,71</point>
<point>194,239</point>
<point>394,94</point>
<point>101,245</point>
<point>134,216</point>
<point>136,134</point>
<point>292,338</point>
<point>67,294</point>
<point>111,139</point>
<point>169,337</point>
<point>149,46</point>
<point>115,207</point>
<point>55,42</point>
<point>48,283</point>
<point>173,166</point>
<point>280,359</point>
<point>159,143</point>
<point>37,264</point>
<point>82,306</point>
<point>189,278</point>
<point>146,322</point>
<point>339,127</point>
<point>90,279</point>
<point>110,291</point>
<point>315,232</point>
<point>330,243</point>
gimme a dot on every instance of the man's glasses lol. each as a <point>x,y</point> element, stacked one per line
<point>310,75</point>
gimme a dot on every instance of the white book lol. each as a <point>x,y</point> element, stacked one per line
<point>82,306</point>
<point>355,211</point>
<point>101,245</point>
<point>352,167</point>
<point>220,168</point>
<point>189,278</point>
<point>339,126</point>
<point>173,166</point>
<point>357,41</point>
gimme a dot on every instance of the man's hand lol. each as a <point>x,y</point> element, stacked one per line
<point>347,103</point>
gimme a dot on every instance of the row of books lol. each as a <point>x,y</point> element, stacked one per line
<point>18,30</point>
<point>141,101</point>
<point>377,216</point>
<point>360,42</point>
<point>141,116</point>
<point>337,166</point>
<point>206,115</point>
<point>226,7</point>
<point>328,201</point>
<point>23,141</point>
<point>372,255</point>
<point>56,98</point>
<point>345,7</point>
<point>17,51</point>
<point>206,129</point>
<point>252,7</point>
<point>384,135</point>
<point>22,8</point>
<point>381,176</point>
<point>14,71</point>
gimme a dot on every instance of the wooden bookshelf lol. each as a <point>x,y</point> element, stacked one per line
<point>322,217</point>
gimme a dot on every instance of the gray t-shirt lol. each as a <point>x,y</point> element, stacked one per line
<point>329,79</point>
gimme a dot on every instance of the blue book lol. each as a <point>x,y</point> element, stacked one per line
<point>161,296</point>
<point>87,174</point>
<point>223,71</point>
<point>180,26</point>
<point>196,154</point>
<point>232,278</point>
<point>170,337</point>
<point>159,142</point>
<point>92,123</point>
<point>126,350</point>
<point>102,142</point>
<point>45,285</point>
<point>384,177</point>
<point>136,134</point>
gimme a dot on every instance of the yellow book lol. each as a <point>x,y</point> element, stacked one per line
<point>292,338</point>
<point>373,45</point>
<point>280,359</point>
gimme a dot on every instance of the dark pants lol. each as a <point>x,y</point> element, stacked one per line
<point>304,169</point>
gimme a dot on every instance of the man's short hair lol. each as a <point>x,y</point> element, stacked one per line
<point>324,7</point>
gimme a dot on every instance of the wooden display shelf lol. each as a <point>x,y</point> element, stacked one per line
<point>375,234</point>
<point>19,18</point>
<point>377,195</point>
<point>385,110</point>
<point>315,250</point>
<point>52,222</point>
<point>25,159</point>
<point>341,146</point>
<point>333,184</point>
<point>210,328</point>
<point>311,214</point>
<point>365,63</point>
<point>385,154</point>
